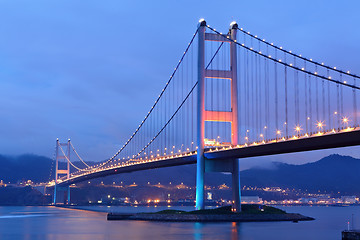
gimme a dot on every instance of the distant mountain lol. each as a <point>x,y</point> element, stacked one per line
<point>24,167</point>
<point>19,196</point>
<point>28,167</point>
<point>333,173</point>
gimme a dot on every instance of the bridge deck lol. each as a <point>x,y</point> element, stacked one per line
<point>183,160</point>
<point>326,141</point>
<point>336,140</point>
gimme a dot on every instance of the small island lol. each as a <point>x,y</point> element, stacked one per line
<point>249,213</point>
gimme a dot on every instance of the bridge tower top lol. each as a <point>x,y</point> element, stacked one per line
<point>212,115</point>
<point>62,156</point>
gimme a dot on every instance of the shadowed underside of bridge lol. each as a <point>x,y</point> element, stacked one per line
<point>345,139</point>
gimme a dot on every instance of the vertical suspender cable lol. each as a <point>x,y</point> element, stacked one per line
<point>260,94</point>
<point>238,61</point>
<point>328,100</point>
<point>257,88</point>
<point>296,87</point>
<point>338,105</point>
<point>317,96</point>
<point>181,117</point>
<point>192,101</point>
<point>186,141</point>
<point>267,95</point>
<point>266,99</point>
<point>355,105</point>
<point>276,95</point>
<point>341,98</point>
<point>297,107</point>
<point>286,103</point>
<point>310,103</point>
<point>247,114</point>
<point>306,101</point>
<point>253,128</point>
<point>323,100</point>
<point>172,144</point>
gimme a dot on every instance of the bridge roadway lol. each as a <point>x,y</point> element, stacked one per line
<point>300,144</point>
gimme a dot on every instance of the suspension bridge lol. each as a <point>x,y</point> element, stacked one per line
<point>232,95</point>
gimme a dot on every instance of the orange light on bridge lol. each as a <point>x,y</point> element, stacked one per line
<point>320,125</point>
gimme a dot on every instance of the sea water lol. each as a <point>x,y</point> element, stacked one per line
<point>56,223</point>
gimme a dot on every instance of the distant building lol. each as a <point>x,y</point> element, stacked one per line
<point>307,200</point>
<point>223,187</point>
<point>251,200</point>
<point>348,199</point>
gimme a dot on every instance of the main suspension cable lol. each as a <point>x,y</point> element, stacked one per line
<point>78,155</point>
<point>298,55</point>
<point>291,65</point>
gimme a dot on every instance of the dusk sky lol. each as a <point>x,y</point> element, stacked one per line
<point>90,70</point>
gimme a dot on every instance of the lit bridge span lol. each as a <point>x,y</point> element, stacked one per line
<point>232,96</point>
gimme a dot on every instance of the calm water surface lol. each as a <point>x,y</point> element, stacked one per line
<point>58,223</point>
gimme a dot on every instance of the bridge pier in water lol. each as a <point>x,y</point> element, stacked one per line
<point>62,194</point>
<point>236,187</point>
<point>203,115</point>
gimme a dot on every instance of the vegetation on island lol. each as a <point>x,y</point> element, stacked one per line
<point>245,209</point>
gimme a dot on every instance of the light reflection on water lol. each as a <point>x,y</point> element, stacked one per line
<point>59,223</point>
<point>22,216</point>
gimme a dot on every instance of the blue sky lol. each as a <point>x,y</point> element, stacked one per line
<point>89,70</point>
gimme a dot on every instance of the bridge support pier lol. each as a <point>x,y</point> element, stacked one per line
<point>68,195</point>
<point>200,177</point>
<point>228,166</point>
<point>200,163</point>
<point>236,187</point>
<point>61,195</point>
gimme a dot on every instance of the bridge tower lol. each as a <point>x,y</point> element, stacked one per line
<point>203,115</point>
<point>62,168</point>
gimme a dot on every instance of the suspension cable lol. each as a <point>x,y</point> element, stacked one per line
<point>79,169</point>
<point>291,65</point>
<point>167,123</point>
<point>177,110</point>
<point>154,105</point>
<point>78,155</point>
<point>298,55</point>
